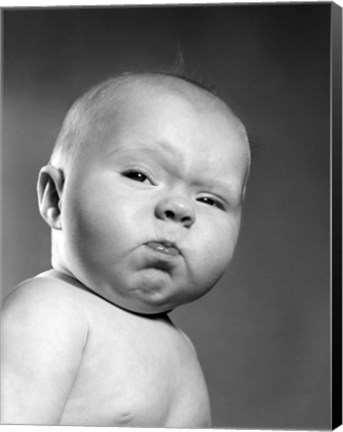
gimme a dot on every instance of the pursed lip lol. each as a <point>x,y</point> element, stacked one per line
<point>164,247</point>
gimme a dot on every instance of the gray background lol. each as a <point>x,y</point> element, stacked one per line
<point>263,334</point>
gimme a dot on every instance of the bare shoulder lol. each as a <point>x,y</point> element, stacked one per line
<point>43,333</point>
<point>188,341</point>
<point>42,302</point>
<point>184,338</point>
<point>40,288</point>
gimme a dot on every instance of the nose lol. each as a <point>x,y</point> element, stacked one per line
<point>176,209</point>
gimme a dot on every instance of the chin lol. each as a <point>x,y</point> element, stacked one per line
<point>163,304</point>
<point>153,302</point>
<point>155,295</point>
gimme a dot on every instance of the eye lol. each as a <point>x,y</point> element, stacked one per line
<point>212,202</point>
<point>136,176</point>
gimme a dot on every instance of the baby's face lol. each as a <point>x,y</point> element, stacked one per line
<point>151,211</point>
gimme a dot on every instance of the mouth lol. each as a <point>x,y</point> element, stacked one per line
<point>164,247</point>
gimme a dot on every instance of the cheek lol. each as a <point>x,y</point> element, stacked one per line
<point>89,222</point>
<point>103,223</point>
<point>216,245</point>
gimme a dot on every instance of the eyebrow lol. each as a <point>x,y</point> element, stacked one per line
<point>162,150</point>
<point>229,188</point>
<point>225,189</point>
<point>162,144</point>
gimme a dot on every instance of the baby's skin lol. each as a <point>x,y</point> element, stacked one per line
<point>145,219</point>
<point>85,362</point>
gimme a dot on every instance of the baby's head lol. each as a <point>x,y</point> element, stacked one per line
<point>144,191</point>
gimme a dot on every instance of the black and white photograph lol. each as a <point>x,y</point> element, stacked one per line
<point>171,216</point>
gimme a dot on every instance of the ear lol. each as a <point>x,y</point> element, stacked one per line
<point>49,189</point>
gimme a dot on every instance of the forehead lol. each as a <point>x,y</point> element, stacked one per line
<point>168,111</point>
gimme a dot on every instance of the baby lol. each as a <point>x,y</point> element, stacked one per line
<point>143,194</point>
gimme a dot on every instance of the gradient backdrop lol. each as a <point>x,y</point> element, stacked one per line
<point>263,334</point>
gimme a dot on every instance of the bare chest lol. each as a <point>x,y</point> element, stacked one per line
<point>138,372</point>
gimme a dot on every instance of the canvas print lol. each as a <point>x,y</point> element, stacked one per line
<point>171,209</point>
